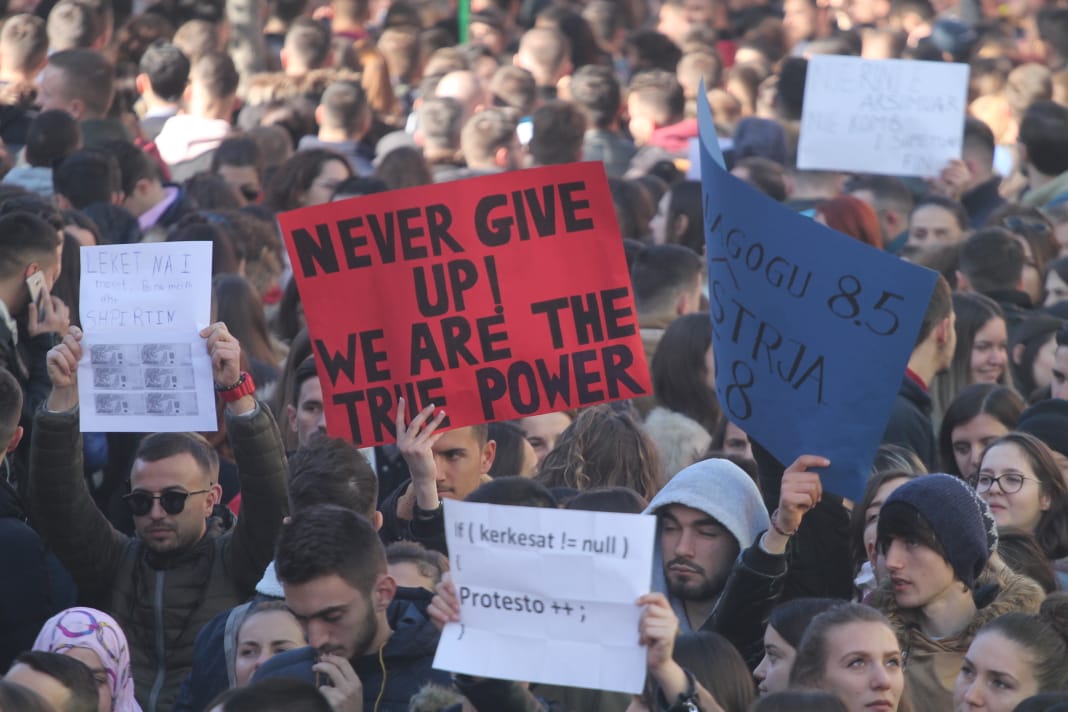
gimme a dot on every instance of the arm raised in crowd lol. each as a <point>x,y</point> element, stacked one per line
<point>757,579</point>
<point>261,464</point>
<point>60,505</point>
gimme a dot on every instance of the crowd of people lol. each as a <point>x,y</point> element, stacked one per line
<point>267,566</point>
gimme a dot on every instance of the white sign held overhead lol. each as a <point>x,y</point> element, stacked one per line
<point>891,116</point>
<point>547,595</point>
<point>144,366</point>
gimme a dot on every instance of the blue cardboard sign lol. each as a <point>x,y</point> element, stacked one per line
<point>812,330</point>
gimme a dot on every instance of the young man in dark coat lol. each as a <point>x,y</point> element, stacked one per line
<point>332,567</point>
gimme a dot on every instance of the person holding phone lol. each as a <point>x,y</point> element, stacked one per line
<point>30,318</point>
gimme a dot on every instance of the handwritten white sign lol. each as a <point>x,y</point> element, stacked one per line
<point>548,595</point>
<point>144,367</point>
<point>893,116</point>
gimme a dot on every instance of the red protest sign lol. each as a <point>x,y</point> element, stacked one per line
<point>495,297</point>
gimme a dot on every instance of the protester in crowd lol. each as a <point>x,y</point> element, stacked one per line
<point>278,695</point>
<point>412,565</point>
<point>95,639</point>
<point>731,440</point>
<point>1015,656</point>
<point>992,263</point>
<point>667,284</point>
<point>16,698</point>
<point>1024,488</point>
<point>937,221</point>
<point>308,178</point>
<point>64,682</point>
<point>267,629</point>
<point>332,567</point>
<point>910,418</point>
<point>853,217</point>
<point>892,202</point>
<point>715,579</point>
<point>51,137</point>
<point>981,352</point>
<point>542,431</point>
<point>174,484</point>
<point>782,637</point>
<point>604,447</point>
<point>187,140</point>
<point>687,411</point>
<point>514,454</point>
<point>869,567</point>
<point>442,464</point>
<point>1020,552</point>
<point>1032,345</point>
<point>853,652</point>
<point>162,76</point>
<point>81,82</point>
<point>1059,383</point>
<point>980,414</point>
<point>937,537</point>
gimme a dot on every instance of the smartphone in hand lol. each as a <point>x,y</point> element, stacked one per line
<point>38,292</point>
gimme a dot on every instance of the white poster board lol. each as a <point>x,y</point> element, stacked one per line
<point>144,367</point>
<point>548,595</point>
<point>892,116</point>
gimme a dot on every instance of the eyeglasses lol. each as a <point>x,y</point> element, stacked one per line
<point>172,501</point>
<point>1009,484</point>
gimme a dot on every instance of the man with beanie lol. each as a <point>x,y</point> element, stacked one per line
<point>937,537</point>
<point>706,515</point>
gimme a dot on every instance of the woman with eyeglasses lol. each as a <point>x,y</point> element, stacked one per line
<point>1021,482</point>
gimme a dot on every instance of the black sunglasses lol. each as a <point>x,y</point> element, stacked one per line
<point>172,501</point>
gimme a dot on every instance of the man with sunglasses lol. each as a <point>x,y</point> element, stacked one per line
<point>181,568</point>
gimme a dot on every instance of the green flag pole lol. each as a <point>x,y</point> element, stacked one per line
<point>464,16</point>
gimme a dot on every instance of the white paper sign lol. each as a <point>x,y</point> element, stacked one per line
<point>548,595</point>
<point>892,116</point>
<point>144,367</point>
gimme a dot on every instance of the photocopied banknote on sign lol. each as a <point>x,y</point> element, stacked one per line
<point>144,367</point>
<point>547,595</point>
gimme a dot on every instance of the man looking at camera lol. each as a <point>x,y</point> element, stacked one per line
<point>181,568</point>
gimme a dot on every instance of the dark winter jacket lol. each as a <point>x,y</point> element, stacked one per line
<point>41,587</point>
<point>161,603</point>
<point>428,532</point>
<point>390,679</point>
<point>910,423</point>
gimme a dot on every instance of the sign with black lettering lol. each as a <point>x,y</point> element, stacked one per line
<point>812,330</point>
<point>493,298</point>
<point>890,116</point>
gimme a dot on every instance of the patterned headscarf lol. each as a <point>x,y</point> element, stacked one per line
<point>97,631</point>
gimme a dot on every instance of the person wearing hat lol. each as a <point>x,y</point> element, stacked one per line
<point>937,537</point>
<point>720,560</point>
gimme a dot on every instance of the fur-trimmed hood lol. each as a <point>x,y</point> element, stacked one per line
<point>998,591</point>
<point>680,440</point>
